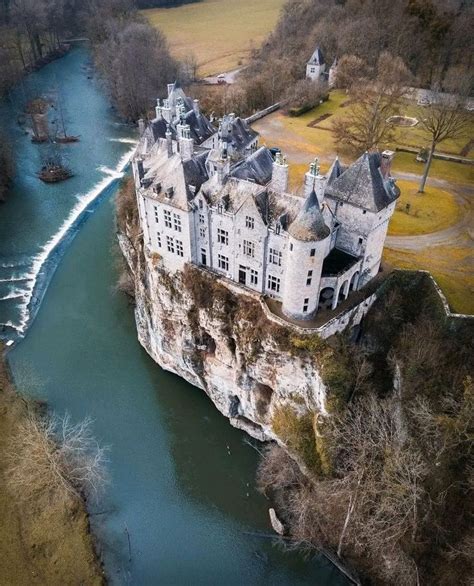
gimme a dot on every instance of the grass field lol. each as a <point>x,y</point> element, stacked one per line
<point>220,33</point>
<point>451,266</point>
<point>301,142</point>
<point>434,210</point>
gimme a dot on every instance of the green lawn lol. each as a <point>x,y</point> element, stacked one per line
<point>302,142</point>
<point>220,33</point>
<point>431,211</point>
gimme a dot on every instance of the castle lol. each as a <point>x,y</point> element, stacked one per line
<point>214,198</point>
<point>316,69</point>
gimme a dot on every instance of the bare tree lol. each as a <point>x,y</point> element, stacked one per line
<point>53,456</point>
<point>367,124</point>
<point>445,118</point>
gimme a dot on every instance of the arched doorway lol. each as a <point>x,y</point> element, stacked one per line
<point>343,292</point>
<point>325,298</point>
<point>354,281</point>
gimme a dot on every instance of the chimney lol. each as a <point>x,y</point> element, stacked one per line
<point>158,109</point>
<point>196,107</point>
<point>166,111</point>
<point>141,126</point>
<point>314,180</point>
<point>386,163</point>
<point>169,141</point>
<point>185,142</point>
<point>279,180</point>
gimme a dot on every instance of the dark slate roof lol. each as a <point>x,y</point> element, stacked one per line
<point>335,171</point>
<point>195,173</point>
<point>362,185</point>
<point>336,262</point>
<point>239,134</point>
<point>256,167</point>
<point>309,225</point>
<point>200,126</point>
<point>157,128</point>
<point>317,58</point>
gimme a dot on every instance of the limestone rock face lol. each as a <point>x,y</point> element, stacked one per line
<point>216,355</point>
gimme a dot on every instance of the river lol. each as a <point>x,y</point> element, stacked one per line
<point>182,479</point>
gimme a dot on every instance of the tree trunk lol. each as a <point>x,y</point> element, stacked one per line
<point>427,168</point>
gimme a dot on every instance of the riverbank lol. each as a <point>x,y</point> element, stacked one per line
<point>46,541</point>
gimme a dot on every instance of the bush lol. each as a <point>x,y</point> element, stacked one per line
<point>297,432</point>
<point>52,456</point>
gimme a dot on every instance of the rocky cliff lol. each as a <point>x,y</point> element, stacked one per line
<point>198,327</point>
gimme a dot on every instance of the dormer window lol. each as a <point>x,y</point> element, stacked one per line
<point>157,188</point>
<point>170,192</point>
<point>220,208</point>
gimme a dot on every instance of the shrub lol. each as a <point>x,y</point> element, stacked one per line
<point>297,432</point>
<point>53,456</point>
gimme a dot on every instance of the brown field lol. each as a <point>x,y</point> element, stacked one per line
<point>219,33</point>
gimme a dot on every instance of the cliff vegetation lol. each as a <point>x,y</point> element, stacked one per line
<point>391,489</point>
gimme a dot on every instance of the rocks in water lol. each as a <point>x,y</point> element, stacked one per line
<point>277,525</point>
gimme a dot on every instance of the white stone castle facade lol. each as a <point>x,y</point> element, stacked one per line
<point>213,198</point>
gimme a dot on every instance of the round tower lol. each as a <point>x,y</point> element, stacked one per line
<point>308,245</point>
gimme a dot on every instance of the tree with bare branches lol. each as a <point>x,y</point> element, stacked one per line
<point>445,118</point>
<point>367,125</point>
<point>53,456</point>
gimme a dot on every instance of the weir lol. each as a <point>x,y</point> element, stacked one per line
<point>182,479</point>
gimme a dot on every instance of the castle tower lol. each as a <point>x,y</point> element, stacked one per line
<point>314,181</point>
<point>279,180</point>
<point>308,245</point>
<point>316,66</point>
<point>185,142</point>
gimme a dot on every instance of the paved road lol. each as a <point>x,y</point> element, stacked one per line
<point>229,77</point>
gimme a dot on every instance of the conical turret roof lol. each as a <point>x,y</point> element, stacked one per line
<point>309,225</point>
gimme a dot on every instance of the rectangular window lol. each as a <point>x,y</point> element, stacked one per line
<point>249,222</point>
<point>167,215</point>
<point>179,248</point>
<point>202,232</point>
<point>201,218</point>
<point>170,244</point>
<point>222,236</point>
<point>200,204</point>
<point>275,256</point>
<point>361,240</point>
<point>274,283</point>
<point>177,222</point>
<point>309,278</point>
<point>253,277</point>
<point>313,252</point>
<point>156,213</point>
<point>291,245</point>
<point>222,262</point>
<point>249,248</point>
<point>158,239</point>
<point>305,305</point>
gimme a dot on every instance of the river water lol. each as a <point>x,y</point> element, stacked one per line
<point>182,479</point>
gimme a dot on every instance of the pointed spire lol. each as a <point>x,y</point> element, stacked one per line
<point>309,225</point>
